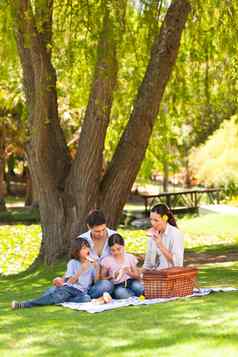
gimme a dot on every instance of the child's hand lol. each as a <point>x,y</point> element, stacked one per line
<point>58,282</point>
<point>127,270</point>
<point>73,279</point>
<point>95,263</point>
<point>119,274</point>
<point>84,266</point>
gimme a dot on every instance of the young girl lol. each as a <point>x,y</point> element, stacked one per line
<point>79,276</point>
<point>121,269</point>
<point>165,245</point>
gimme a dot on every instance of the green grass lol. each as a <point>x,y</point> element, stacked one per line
<point>202,327</point>
<point>15,215</point>
<point>210,229</point>
<point>19,244</point>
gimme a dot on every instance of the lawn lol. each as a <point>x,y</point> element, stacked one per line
<point>201,326</point>
<point>19,244</point>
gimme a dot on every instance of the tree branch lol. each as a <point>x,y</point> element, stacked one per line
<point>87,169</point>
<point>40,87</point>
<point>134,141</point>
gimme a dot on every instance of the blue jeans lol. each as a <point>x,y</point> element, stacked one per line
<point>100,287</point>
<point>127,289</point>
<point>57,295</point>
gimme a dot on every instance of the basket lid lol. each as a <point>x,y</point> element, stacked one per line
<point>168,272</point>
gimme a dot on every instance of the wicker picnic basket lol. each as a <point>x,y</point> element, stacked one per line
<point>164,283</point>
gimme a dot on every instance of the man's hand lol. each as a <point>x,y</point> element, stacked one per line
<point>58,282</point>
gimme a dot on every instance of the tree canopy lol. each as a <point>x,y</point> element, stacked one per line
<point>95,113</point>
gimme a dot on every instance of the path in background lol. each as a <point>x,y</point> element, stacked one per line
<point>224,209</point>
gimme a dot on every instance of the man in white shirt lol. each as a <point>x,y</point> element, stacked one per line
<point>97,236</point>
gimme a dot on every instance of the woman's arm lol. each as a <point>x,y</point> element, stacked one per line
<point>178,249</point>
<point>150,256</point>
<point>175,255</point>
<point>166,253</point>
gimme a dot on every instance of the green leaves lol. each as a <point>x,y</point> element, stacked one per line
<point>19,246</point>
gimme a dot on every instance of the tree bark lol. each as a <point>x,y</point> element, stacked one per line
<point>134,141</point>
<point>65,195</point>
<point>87,170</point>
<point>68,191</point>
<point>46,151</point>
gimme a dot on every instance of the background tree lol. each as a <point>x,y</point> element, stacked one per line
<point>68,190</point>
<point>203,89</point>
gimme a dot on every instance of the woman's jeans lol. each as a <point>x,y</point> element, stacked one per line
<point>129,288</point>
<point>57,295</point>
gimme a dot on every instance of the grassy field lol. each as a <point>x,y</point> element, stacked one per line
<point>19,244</point>
<point>203,327</point>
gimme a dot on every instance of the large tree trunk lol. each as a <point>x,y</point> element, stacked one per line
<point>68,191</point>
<point>87,169</point>
<point>65,195</point>
<point>46,152</point>
<point>134,141</point>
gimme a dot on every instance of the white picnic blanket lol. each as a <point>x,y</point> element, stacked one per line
<point>135,301</point>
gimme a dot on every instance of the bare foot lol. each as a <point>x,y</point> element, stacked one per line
<point>98,301</point>
<point>107,298</point>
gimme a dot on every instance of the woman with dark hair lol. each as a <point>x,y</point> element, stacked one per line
<point>165,245</point>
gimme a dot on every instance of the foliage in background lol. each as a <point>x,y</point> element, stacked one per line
<point>203,90</point>
<point>201,94</point>
<point>216,161</point>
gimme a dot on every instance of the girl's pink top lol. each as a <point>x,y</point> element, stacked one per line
<point>113,267</point>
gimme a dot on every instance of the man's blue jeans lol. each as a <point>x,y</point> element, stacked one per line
<point>127,289</point>
<point>57,295</point>
<point>95,291</point>
<point>100,287</point>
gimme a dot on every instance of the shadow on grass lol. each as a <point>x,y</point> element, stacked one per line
<point>134,331</point>
<point>214,249</point>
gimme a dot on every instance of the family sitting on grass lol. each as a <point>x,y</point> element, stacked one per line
<point>100,269</point>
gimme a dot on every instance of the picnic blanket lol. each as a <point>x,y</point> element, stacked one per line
<point>135,301</point>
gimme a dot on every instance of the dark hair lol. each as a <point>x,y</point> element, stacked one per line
<point>95,218</point>
<point>115,239</point>
<point>76,246</point>
<point>162,209</point>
